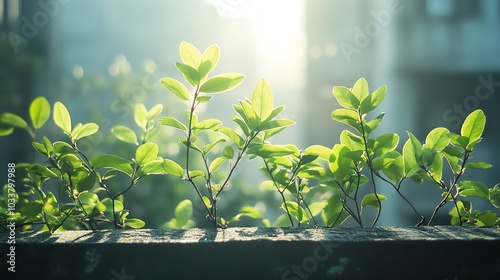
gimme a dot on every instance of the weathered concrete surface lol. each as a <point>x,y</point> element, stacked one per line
<point>258,253</point>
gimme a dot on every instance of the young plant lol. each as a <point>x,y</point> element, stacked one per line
<point>256,120</point>
<point>85,201</point>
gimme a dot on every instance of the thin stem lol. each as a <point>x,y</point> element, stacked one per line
<point>370,166</point>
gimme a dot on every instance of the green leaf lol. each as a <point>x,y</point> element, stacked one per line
<point>458,140</point>
<point>40,170</point>
<point>370,126</point>
<point>173,168</point>
<point>373,100</point>
<point>249,114</point>
<point>216,163</point>
<point>113,162</point>
<point>206,124</point>
<point>135,223</point>
<point>31,210</point>
<point>339,164</point>
<point>295,210</point>
<point>370,200</point>
<point>109,205</point>
<point>203,99</point>
<point>412,152</point>
<point>241,123</point>
<point>87,183</point>
<point>84,130</point>
<point>13,120</point>
<point>5,129</point>
<point>360,89</point>
<point>334,214</point>
<point>146,153</point>
<point>190,74</point>
<point>125,134</point>
<point>141,116</point>
<point>478,165</point>
<point>437,139</point>
<point>352,141</point>
<point>183,212</point>
<point>251,212</point>
<point>262,100</point>
<point>395,170</point>
<point>50,205</point>
<point>348,117</point>
<point>209,60</point>
<point>268,150</point>
<point>39,112</point>
<point>345,97</point>
<point>473,125</point>
<point>175,87</point>
<point>153,167</point>
<point>436,168</point>
<point>486,219</point>
<point>281,123</point>
<point>62,118</point>
<point>494,196</point>
<point>155,111</point>
<point>221,83</point>
<point>40,148</point>
<point>228,152</point>
<point>322,151</point>
<point>210,146</point>
<point>190,55</point>
<point>385,143</point>
<point>173,122</point>
<point>473,188</point>
<point>233,136</point>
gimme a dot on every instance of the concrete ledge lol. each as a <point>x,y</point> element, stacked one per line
<point>258,253</point>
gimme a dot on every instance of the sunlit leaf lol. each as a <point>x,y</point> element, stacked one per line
<point>190,74</point>
<point>209,60</point>
<point>183,212</point>
<point>221,83</point>
<point>473,125</point>
<point>155,111</point>
<point>478,165</point>
<point>125,134</point>
<point>274,124</point>
<point>473,188</point>
<point>360,89</point>
<point>372,200</point>
<point>348,117</point>
<point>146,153</point>
<point>112,162</point>
<point>62,118</point>
<point>190,55</point>
<point>84,131</point>
<point>437,139</point>
<point>322,151</point>
<point>262,100</point>
<point>233,136</point>
<point>173,168</point>
<point>373,100</point>
<point>175,87</point>
<point>345,97</point>
<point>135,223</point>
<point>216,163</point>
<point>39,112</point>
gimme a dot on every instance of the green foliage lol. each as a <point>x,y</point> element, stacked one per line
<point>317,186</point>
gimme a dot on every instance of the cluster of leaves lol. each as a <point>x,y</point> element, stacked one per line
<point>341,169</point>
<point>317,181</point>
<point>255,121</point>
<point>87,202</point>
